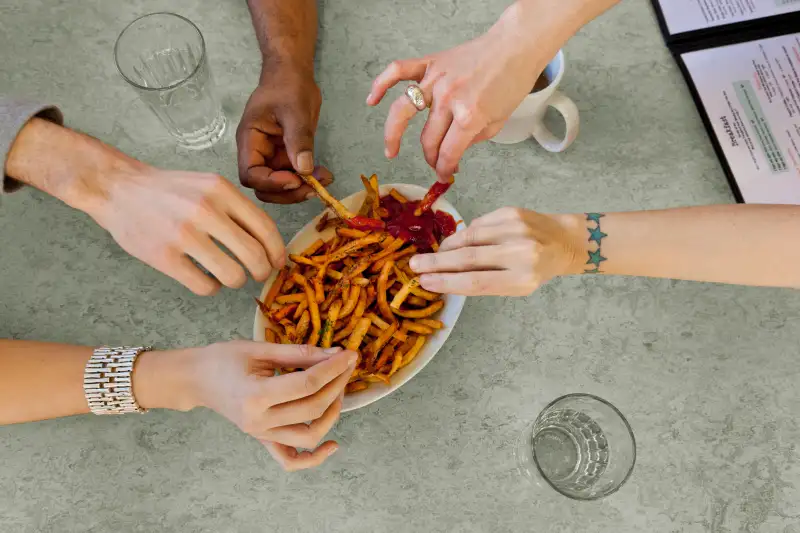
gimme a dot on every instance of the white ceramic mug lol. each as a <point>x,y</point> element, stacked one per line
<point>526,120</point>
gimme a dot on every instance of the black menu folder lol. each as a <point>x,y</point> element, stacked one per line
<point>741,60</point>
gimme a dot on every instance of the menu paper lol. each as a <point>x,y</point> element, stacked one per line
<point>751,95</point>
<point>683,16</point>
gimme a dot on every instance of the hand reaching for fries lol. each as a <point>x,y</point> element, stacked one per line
<point>510,252</point>
<point>284,412</point>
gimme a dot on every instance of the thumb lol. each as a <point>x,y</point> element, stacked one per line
<point>292,355</point>
<point>298,136</point>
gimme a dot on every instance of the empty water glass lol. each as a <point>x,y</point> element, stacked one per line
<point>580,445</point>
<point>163,56</point>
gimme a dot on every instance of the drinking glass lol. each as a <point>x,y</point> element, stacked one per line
<point>163,56</point>
<point>580,445</point>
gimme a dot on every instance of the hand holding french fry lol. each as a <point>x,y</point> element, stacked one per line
<point>510,252</point>
<point>284,412</point>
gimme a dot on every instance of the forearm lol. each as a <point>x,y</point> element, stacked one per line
<point>40,381</point>
<point>547,24</point>
<point>64,163</point>
<point>286,32</point>
<point>739,244</point>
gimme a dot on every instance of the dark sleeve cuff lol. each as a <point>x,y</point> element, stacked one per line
<point>14,114</point>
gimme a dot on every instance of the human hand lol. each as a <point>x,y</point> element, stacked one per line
<point>165,217</point>
<point>509,252</point>
<point>473,88</point>
<point>237,380</point>
<point>276,136</point>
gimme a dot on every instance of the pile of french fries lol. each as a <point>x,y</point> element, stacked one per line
<point>356,291</point>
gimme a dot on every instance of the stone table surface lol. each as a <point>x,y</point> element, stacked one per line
<point>707,374</point>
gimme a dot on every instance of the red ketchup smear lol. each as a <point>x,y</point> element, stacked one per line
<point>422,230</point>
<point>364,223</point>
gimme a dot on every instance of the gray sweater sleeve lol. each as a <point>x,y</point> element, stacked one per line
<point>14,114</point>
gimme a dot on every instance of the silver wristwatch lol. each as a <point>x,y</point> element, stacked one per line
<point>107,380</point>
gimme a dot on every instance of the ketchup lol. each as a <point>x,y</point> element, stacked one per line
<point>423,230</point>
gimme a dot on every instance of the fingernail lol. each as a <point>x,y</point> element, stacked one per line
<point>414,263</point>
<point>291,186</point>
<point>333,450</point>
<point>352,359</point>
<point>369,98</point>
<point>311,195</point>
<point>305,162</point>
<point>335,349</point>
<point>387,153</point>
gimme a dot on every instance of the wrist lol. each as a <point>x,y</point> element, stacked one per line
<point>575,242</point>
<point>163,380</point>
<point>285,66</point>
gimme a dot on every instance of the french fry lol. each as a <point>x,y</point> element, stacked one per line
<point>354,221</point>
<point>283,312</point>
<point>420,313</point>
<point>352,299</point>
<point>385,356</point>
<point>397,363</point>
<point>382,339</point>
<point>431,323</point>
<point>348,249</point>
<point>404,293</point>
<point>302,326</point>
<point>366,207</point>
<point>356,386</point>
<point>300,308</point>
<point>351,233</point>
<point>327,328</point>
<point>275,288</point>
<point>389,250</point>
<point>383,286</point>
<point>411,250</point>
<point>264,308</point>
<point>375,378</point>
<point>271,336</point>
<point>316,326</point>
<point>289,329</point>
<point>361,282</point>
<point>289,283</point>
<point>397,195</point>
<point>290,298</point>
<point>357,314</point>
<point>414,351</point>
<point>301,260</point>
<point>416,289</point>
<point>377,321</point>
<point>354,341</point>
<point>311,250</point>
<point>376,199</point>
<point>433,194</point>
<point>422,329</point>
<point>434,246</point>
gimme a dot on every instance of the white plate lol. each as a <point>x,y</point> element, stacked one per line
<point>448,314</point>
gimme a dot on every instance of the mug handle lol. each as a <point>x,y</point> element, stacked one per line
<point>569,111</point>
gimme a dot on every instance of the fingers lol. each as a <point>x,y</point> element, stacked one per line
<point>408,69</point>
<point>291,460</point>
<point>305,385</point>
<point>455,143</point>
<point>478,235</point>
<point>473,283</point>
<point>313,406</point>
<point>472,258</point>
<point>217,262</point>
<point>300,194</point>
<point>298,135</point>
<point>240,242</point>
<point>266,180</point>
<point>292,355</point>
<point>307,435</point>
<point>255,149</point>
<point>181,268</point>
<point>439,120</point>
<point>264,237</point>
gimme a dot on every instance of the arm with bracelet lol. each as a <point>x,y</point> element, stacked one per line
<point>514,251</point>
<point>40,381</point>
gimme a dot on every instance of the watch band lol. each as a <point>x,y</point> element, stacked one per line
<point>107,380</point>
